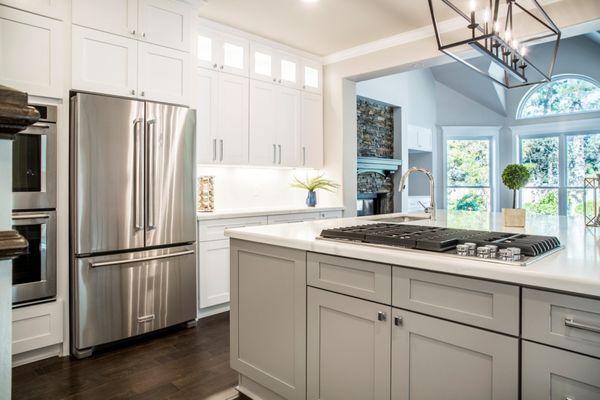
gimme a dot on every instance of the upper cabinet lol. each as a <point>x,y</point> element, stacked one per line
<point>312,76</point>
<point>31,52</point>
<point>283,68</point>
<point>420,138</point>
<point>161,22</point>
<point>223,52</point>
<point>48,8</point>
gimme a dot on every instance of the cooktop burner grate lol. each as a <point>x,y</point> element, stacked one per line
<point>441,239</point>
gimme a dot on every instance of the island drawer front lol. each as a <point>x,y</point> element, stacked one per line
<point>485,304</point>
<point>550,374</point>
<point>562,320</point>
<point>215,229</point>
<point>362,279</point>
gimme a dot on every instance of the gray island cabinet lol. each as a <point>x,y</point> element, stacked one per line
<point>313,326</point>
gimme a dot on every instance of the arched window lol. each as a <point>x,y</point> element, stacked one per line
<point>565,94</point>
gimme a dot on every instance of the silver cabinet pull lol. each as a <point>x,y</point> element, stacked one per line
<point>275,80</point>
<point>152,171</point>
<point>274,153</point>
<point>222,149</point>
<point>146,318</point>
<point>143,34</point>
<point>133,91</point>
<point>304,155</point>
<point>221,67</point>
<point>214,149</point>
<point>215,65</point>
<point>279,81</point>
<point>279,153</point>
<point>398,321</point>
<point>132,31</point>
<point>570,322</point>
<point>139,260</point>
<point>143,93</point>
<point>381,316</point>
<point>138,173</point>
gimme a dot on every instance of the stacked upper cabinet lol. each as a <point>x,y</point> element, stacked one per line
<point>133,48</point>
<point>221,98</point>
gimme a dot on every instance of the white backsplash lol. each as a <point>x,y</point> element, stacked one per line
<point>256,187</point>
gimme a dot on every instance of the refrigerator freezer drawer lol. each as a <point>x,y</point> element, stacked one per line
<point>124,295</point>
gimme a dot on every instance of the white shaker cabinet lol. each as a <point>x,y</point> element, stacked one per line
<point>31,53</point>
<point>114,16</point>
<point>275,66</point>
<point>49,8</point>
<point>213,273</point>
<point>311,76</point>
<point>163,74</point>
<point>104,63</point>
<point>287,117</point>
<point>232,119</point>
<point>207,106</point>
<point>165,23</point>
<point>222,52</point>
<point>348,348</point>
<point>161,22</point>
<point>311,132</point>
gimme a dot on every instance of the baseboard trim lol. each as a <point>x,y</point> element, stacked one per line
<point>36,355</point>
<point>208,311</point>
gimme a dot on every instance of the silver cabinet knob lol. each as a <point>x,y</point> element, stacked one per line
<point>132,31</point>
<point>222,66</point>
<point>215,65</point>
<point>132,91</point>
<point>143,34</point>
<point>398,321</point>
<point>275,80</point>
<point>280,81</point>
<point>381,316</point>
<point>143,93</point>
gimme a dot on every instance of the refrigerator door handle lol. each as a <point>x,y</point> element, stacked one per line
<point>152,171</point>
<point>138,173</point>
<point>138,260</point>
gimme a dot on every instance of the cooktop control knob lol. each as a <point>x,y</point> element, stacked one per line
<point>515,252</point>
<point>483,252</point>
<point>471,249</point>
<point>462,250</point>
<point>493,250</point>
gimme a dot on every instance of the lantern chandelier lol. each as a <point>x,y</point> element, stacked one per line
<point>491,32</point>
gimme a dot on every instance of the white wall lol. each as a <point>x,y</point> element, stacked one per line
<point>5,273</point>
<point>255,187</point>
<point>414,93</point>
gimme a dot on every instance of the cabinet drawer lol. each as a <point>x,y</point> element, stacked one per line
<point>289,218</point>
<point>554,374</point>
<point>362,279</point>
<point>215,230</point>
<point>561,320</point>
<point>485,304</point>
<point>330,214</point>
<point>37,326</point>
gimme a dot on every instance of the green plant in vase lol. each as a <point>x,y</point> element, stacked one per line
<point>515,177</point>
<point>312,185</point>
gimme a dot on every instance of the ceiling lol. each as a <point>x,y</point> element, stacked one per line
<point>322,27</point>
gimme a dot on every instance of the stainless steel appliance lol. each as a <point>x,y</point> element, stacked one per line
<point>34,163</point>
<point>498,247</point>
<point>132,218</point>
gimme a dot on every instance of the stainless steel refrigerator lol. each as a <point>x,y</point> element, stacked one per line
<point>133,267</point>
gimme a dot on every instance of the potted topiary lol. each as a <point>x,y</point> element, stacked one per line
<point>514,177</point>
<point>312,185</point>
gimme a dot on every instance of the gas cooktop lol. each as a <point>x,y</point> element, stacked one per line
<point>500,247</point>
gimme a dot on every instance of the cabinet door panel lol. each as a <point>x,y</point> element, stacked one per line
<point>268,317</point>
<point>208,45</point>
<point>213,264</point>
<point>311,76</point>
<point>31,53</point>
<point>49,8</point>
<point>289,70</point>
<point>436,359</point>
<point>104,63</point>
<point>112,16</point>
<point>262,142</point>
<point>348,348</point>
<point>233,119</point>
<point>553,374</point>
<point>206,103</point>
<point>311,149</point>
<point>163,74</point>
<point>165,23</point>
<point>263,63</point>
<point>234,52</point>
<point>288,126</point>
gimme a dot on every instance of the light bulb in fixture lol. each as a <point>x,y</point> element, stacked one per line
<point>486,15</point>
<point>523,51</point>
<point>507,35</point>
<point>515,44</point>
<point>497,27</point>
<point>472,5</point>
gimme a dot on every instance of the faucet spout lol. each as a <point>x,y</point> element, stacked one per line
<point>404,179</point>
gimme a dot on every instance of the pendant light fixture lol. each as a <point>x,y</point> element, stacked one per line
<point>490,29</point>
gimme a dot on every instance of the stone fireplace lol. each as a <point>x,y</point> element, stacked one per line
<point>375,151</point>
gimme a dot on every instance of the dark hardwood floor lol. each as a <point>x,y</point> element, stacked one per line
<point>179,364</point>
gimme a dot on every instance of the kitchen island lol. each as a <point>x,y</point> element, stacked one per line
<point>315,319</point>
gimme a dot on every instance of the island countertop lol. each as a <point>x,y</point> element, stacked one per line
<point>574,269</point>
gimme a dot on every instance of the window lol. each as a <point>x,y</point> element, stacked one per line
<point>468,167</point>
<point>566,94</point>
<point>558,165</point>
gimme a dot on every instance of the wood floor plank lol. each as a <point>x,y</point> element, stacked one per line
<point>178,364</point>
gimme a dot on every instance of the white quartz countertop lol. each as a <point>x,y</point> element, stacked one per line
<point>574,269</point>
<point>255,212</point>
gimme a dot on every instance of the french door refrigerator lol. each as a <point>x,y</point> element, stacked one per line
<point>133,231</point>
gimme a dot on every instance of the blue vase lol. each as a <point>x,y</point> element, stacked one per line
<point>311,199</point>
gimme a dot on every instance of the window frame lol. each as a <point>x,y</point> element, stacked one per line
<point>559,77</point>
<point>490,133</point>
<point>563,131</point>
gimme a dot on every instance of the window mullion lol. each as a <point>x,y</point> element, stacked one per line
<point>562,175</point>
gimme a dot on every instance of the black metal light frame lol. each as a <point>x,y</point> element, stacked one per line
<point>514,66</point>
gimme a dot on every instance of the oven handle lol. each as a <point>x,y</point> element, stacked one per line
<point>31,216</point>
<point>33,130</point>
<point>137,260</point>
